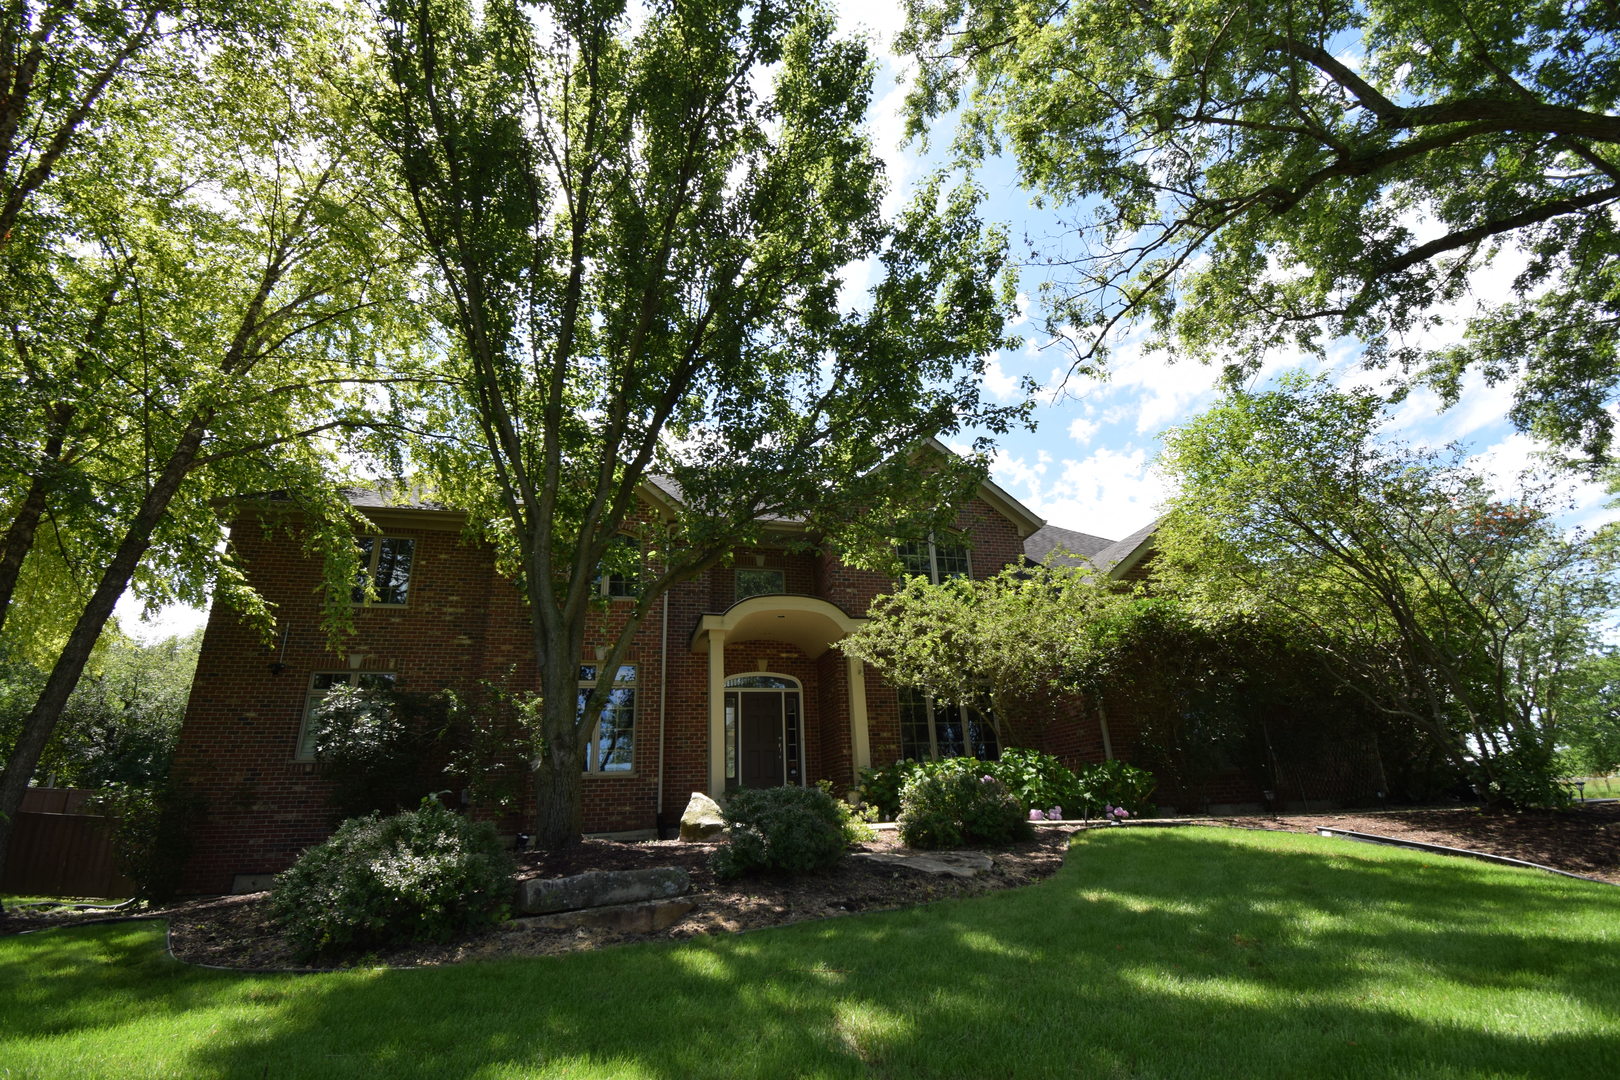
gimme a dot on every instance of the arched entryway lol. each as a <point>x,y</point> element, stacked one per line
<point>764,731</point>
<point>829,712</point>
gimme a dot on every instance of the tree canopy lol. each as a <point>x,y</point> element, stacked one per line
<point>201,285</point>
<point>1464,614</point>
<point>1262,175</point>
<point>642,225</point>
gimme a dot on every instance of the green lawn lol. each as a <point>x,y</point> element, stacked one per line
<point>1602,787</point>
<point>1195,953</point>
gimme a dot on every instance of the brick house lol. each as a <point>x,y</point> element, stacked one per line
<point>736,680</point>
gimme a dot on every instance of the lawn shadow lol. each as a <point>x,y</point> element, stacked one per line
<point>1162,954</point>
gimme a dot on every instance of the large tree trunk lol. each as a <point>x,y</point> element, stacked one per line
<point>19,541</point>
<point>559,822</point>
<point>41,721</point>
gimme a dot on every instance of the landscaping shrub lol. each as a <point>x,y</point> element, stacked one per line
<point>420,875</point>
<point>958,802</point>
<point>788,830</point>
<point>881,787</point>
<point>151,836</point>
<point>381,749</point>
<point>1038,781</point>
<point>1115,783</point>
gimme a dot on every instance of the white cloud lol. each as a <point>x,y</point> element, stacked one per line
<point>1110,493</point>
<point>1082,430</point>
<point>1002,386</point>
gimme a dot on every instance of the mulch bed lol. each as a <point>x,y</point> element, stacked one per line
<point>236,932</point>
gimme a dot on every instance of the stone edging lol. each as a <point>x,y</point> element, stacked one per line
<point>1442,849</point>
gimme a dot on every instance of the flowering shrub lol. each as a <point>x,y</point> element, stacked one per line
<point>1116,785</point>
<point>958,803</point>
<point>789,830</point>
<point>421,875</point>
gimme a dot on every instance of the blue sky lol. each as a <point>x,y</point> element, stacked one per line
<point>1089,463</point>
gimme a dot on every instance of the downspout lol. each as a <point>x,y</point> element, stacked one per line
<point>1102,725</point>
<point>663,696</point>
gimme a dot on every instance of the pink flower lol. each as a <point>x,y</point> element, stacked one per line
<point>987,779</point>
<point>1036,815</point>
<point>1121,813</point>
<point>1055,814</point>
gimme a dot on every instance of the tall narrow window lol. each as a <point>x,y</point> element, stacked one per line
<point>937,558</point>
<point>319,684</point>
<point>385,566</point>
<point>929,730</point>
<point>613,731</point>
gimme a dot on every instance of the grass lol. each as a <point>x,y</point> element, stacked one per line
<point>1154,953</point>
<point>1602,787</point>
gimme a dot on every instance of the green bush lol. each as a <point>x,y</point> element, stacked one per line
<point>881,787</point>
<point>420,875</point>
<point>958,802</point>
<point>1038,781</point>
<point>787,830</point>
<point>151,835</point>
<point>1115,783</point>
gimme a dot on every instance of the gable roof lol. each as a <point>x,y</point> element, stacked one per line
<point>1063,547</point>
<point>1118,558</point>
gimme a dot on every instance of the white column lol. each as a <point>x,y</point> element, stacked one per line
<point>717,713</point>
<point>858,737</point>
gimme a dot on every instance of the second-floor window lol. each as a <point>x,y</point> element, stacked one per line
<point>936,558</point>
<point>617,574</point>
<point>756,582</point>
<point>385,566</point>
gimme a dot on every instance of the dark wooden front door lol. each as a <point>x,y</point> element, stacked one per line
<point>761,749</point>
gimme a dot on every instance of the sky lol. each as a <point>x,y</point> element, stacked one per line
<point>1089,463</point>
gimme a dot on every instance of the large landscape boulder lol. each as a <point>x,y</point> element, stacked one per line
<point>702,819</point>
<point>622,918</point>
<point>601,888</point>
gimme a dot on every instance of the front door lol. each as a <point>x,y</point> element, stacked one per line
<point>761,749</point>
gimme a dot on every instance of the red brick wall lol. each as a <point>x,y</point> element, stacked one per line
<point>465,623</point>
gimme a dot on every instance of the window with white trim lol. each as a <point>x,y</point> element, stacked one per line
<point>936,558</point>
<point>319,683</point>
<point>618,574</point>
<point>384,577</point>
<point>930,730</point>
<point>611,748</point>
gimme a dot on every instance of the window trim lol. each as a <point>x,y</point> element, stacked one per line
<point>932,710</point>
<point>312,698</point>
<point>603,585</point>
<point>369,569</point>
<point>584,686</point>
<point>934,576</point>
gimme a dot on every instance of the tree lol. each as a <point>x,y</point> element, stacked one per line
<point>222,236</point>
<point>990,643</point>
<point>1442,605</point>
<point>122,721</point>
<point>1272,174</point>
<point>642,227</point>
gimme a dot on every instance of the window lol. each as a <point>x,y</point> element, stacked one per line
<point>616,574</point>
<point>929,730</point>
<point>613,735</point>
<point>934,559</point>
<point>319,684</point>
<point>760,583</point>
<point>385,565</point>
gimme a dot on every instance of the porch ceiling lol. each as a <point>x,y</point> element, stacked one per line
<point>807,622</point>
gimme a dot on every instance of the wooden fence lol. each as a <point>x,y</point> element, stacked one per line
<point>59,850</point>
